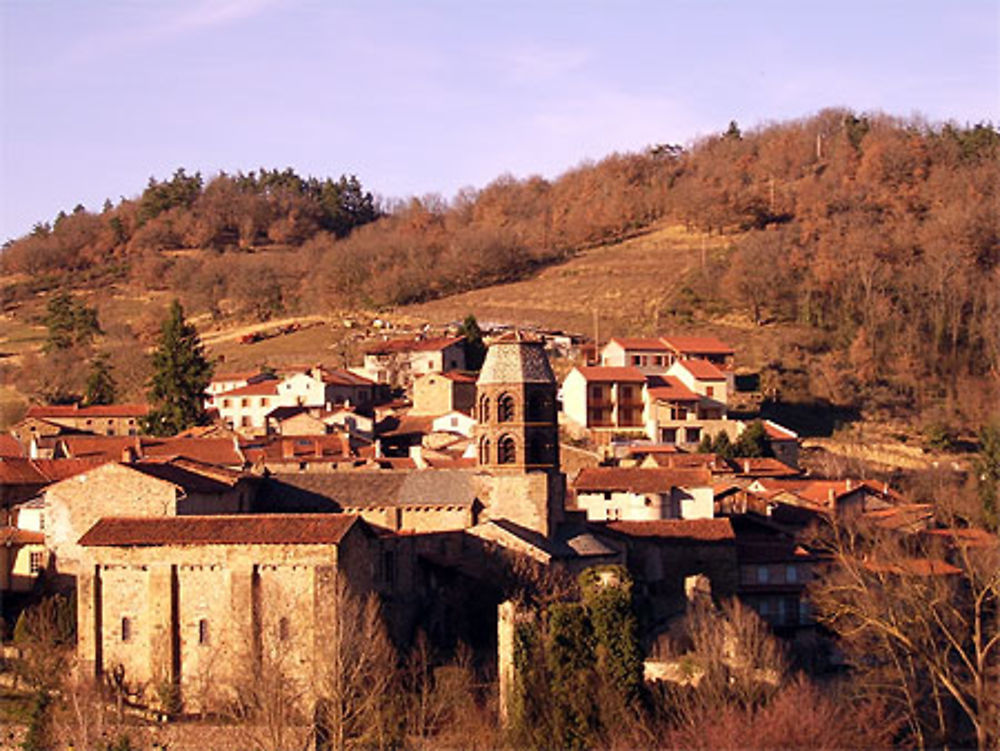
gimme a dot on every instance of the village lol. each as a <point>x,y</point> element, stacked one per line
<point>430,483</point>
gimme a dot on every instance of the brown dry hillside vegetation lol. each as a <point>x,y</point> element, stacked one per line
<point>876,237</point>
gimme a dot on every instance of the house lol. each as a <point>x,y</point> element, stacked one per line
<point>633,494</point>
<point>319,421</point>
<point>223,382</point>
<point>655,355</point>
<point>396,362</point>
<point>709,382</point>
<point>105,419</point>
<point>247,408</point>
<point>439,393</point>
<point>604,398</point>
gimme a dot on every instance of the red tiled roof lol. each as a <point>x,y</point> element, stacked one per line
<point>264,388</point>
<point>914,566</point>
<point>20,471</point>
<point>218,451</point>
<point>637,342</point>
<point>74,410</point>
<point>638,480</point>
<point>192,477</point>
<point>778,432</point>
<point>393,346</point>
<point>702,530</point>
<point>55,470</point>
<point>460,376</point>
<point>971,536</point>
<point>606,373</point>
<point>697,345</point>
<point>764,466</point>
<point>14,536</point>
<point>10,447</point>
<point>243,529</point>
<point>703,370</point>
<point>713,462</point>
<point>338,377</point>
<point>670,389</point>
<point>244,375</point>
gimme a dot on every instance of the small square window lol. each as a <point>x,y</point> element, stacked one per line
<point>35,561</point>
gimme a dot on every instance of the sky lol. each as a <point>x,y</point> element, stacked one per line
<point>430,96</point>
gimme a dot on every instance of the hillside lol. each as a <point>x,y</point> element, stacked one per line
<point>852,258</point>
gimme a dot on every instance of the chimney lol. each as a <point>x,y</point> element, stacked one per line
<point>128,455</point>
<point>378,448</point>
<point>287,449</point>
<point>831,496</point>
<point>746,466</point>
<point>849,484</point>
<point>317,448</point>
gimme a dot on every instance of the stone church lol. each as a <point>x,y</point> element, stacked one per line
<point>173,606</point>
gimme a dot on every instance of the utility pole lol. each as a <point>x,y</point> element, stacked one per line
<point>597,334</point>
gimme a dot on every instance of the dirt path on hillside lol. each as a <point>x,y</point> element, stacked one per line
<point>228,335</point>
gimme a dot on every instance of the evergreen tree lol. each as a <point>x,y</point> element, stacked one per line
<point>180,375</point>
<point>101,386</point>
<point>753,441</point>
<point>475,349</point>
<point>69,323</point>
<point>723,446</point>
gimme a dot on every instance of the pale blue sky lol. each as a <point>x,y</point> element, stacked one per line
<point>418,97</point>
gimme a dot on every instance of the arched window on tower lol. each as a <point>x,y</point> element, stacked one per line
<point>506,450</point>
<point>484,410</point>
<point>484,451</point>
<point>505,408</point>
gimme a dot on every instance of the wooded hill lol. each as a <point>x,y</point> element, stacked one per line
<point>880,235</point>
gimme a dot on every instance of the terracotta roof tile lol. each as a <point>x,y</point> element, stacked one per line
<point>670,389</point>
<point>396,346</point>
<point>698,345</point>
<point>637,480</point>
<point>701,530</point>
<point>703,370</point>
<point>244,529</point>
<point>644,343</point>
<point>264,388</point>
<point>607,373</point>
<point>15,536</point>
<point>74,410</point>
<point>9,447</point>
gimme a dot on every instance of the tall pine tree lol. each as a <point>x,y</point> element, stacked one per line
<point>101,386</point>
<point>180,375</point>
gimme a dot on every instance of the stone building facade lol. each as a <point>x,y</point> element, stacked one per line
<point>192,606</point>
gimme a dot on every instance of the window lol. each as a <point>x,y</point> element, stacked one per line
<point>626,392</point>
<point>245,421</point>
<point>791,573</point>
<point>693,435</point>
<point>636,359</point>
<point>710,391</point>
<point>762,574</point>
<point>284,631</point>
<point>264,401</point>
<point>506,450</point>
<point>484,451</point>
<point>244,402</point>
<point>668,435</point>
<point>484,409</point>
<point>35,561</point>
<point>203,631</point>
<point>505,408</point>
<point>126,629</point>
<point>226,403</point>
<point>596,392</point>
<point>658,359</point>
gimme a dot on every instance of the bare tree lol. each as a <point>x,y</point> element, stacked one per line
<point>358,686</point>
<point>922,630</point>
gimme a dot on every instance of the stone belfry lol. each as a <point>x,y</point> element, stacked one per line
<point>518,433</point>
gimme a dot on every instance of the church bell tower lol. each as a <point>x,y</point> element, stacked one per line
<point>518,433</point>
